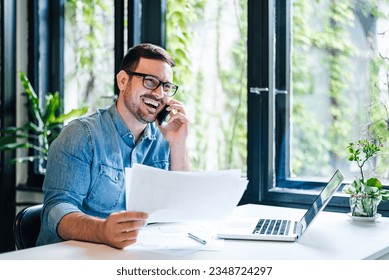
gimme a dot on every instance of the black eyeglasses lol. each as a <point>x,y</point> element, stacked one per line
<point>152,82</point>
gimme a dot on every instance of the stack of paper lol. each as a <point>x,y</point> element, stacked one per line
<point>172,196</point>
<point>174,236</point>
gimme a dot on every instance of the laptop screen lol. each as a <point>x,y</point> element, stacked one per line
<point>322,200</point>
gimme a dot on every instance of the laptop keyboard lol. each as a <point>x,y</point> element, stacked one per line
<point>272,227</point>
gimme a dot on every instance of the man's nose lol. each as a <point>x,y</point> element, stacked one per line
<point>159,91</point>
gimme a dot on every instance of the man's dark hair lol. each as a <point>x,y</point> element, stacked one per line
<point>131,59</point>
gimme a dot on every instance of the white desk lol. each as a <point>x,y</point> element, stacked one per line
<point>343,239</point>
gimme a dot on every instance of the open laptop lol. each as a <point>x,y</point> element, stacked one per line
<point>281,229</point>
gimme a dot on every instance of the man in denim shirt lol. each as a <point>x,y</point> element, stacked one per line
<point>84,184</point>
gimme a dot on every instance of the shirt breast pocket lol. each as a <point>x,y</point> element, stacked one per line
<point>108,189</point>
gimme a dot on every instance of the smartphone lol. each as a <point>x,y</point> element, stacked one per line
<point>161,116</point>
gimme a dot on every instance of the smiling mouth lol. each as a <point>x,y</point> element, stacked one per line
<point>151,103</point>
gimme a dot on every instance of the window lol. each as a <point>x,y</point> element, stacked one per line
<point>89,54</point>
<point>332,90</point>
<point>336,85</point>
<point>212,73</point>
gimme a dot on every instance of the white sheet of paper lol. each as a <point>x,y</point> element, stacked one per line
<point>175,237</point>
<point>172,196</point>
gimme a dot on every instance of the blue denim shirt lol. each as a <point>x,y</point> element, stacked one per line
<point>86,163</point>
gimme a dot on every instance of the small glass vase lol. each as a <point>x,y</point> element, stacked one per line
<point>363,205</point>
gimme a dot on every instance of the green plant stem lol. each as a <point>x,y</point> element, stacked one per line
<point>361,170</point>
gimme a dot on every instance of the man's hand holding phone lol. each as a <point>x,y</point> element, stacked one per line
<point>175,130</point>
<point>172,121</point>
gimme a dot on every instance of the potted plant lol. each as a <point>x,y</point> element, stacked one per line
<point>365,193</point>
<point>42,129</point>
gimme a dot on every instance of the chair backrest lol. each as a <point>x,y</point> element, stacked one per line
<point>27,225</point>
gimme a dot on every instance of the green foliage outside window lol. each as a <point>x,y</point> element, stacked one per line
<point>181,15</point>
<point>89,51</point>
<point>312,136</point>
<point>232,142</point>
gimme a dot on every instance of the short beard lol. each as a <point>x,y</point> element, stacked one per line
<point>133,109</point>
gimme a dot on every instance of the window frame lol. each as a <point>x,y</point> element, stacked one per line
<point>8,118</point>
<point>45,60</point>
<point>281,189</point>
<point>259,168</point>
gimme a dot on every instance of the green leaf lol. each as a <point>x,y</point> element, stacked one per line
<point>349,189</point>
<point>385,195</point>
<point>52,107</point>
<point>28,158</point>
<point>72,114</point>
<point>372,191</point>
<point>32,98</point>
<point>374,182</point>
<point>16,145</point>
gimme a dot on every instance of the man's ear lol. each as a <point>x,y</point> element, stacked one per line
<point>122,79</point>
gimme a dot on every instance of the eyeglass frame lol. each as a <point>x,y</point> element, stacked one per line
<point>143,75</point>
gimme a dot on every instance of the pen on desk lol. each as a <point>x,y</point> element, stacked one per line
<point>194,237</point>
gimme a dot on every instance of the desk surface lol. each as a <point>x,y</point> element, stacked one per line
<point>331,236</point>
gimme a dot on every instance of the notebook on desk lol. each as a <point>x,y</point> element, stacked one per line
<point>281,229</point>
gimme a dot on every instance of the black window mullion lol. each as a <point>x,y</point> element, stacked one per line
<point>45,58</point>
<point>134,22</point>
<point>153,22</point>
<point>282,77</point>
<point>55,25</point>
<point>46,46</point>
<point>146,22</point>
<point>33,43</point>
<point>119,39</point>
<point>8,118</point>
<point>259,165</point>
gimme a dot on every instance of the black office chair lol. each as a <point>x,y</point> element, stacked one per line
<point>27,225</point>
